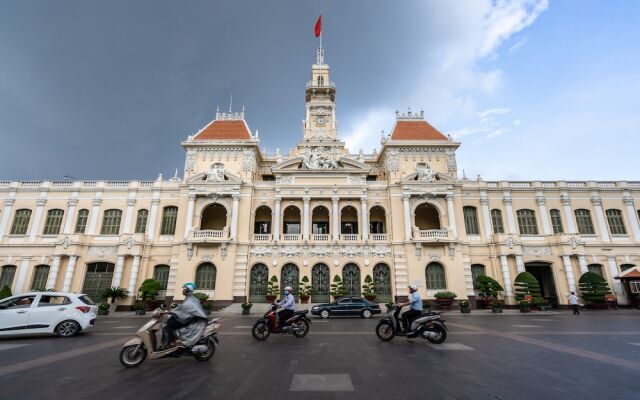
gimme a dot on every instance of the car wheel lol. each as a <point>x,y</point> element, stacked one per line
<point>366,314</point>
<point>324,314</point>
<point>67,329</point>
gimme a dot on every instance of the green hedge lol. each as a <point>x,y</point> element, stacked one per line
<point>525,283</point>
<point>593,287</point>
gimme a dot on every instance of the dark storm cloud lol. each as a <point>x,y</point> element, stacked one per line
<point>109,89</point>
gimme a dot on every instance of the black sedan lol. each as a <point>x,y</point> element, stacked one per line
<point>347,306</point>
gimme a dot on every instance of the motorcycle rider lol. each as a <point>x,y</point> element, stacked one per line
<point>287,304</point>
<point>414,311</point>
<point>182,315</point>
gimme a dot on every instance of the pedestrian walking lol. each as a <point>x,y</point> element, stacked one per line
<point>573,300</point>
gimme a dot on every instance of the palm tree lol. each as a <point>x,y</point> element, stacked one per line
<point>114,293</point>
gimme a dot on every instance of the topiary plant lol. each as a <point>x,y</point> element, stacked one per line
<point>337,287</point>
<point>304,289</point>
<point>488,288</point>
<point>272,286</point>
<point>526,284</point>
<point>445,295</point>
<point>202,297</point>
<point>593,287</point>
<point>369,288</point>
<point>149,289</point>
<point>5,292</point>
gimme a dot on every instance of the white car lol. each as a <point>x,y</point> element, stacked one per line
<point>64,314</point>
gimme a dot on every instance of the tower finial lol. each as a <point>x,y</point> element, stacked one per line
<point>231,102</point>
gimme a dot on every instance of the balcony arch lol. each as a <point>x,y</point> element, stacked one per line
<point>349,220</point>
<point>291,223</point>
<point>377,220</point>
<point>214,217</point>
<point>320,223</point>
<point>263,221</point>
<point>426,217</point>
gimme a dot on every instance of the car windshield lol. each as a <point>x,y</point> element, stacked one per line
<point>86,300</point>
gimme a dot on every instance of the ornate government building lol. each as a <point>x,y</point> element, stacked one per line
<point>240,216</point>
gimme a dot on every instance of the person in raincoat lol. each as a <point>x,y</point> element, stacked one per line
<point>186,313</point>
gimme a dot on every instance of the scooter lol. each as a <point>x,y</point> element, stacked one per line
<point>146,344</point>
<point>428,326</point>
<point>297,324</point>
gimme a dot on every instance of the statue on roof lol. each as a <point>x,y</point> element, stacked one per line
<point>425,173</point>
<point>216,173</point>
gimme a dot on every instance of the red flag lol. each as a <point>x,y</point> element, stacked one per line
<point>319,26</point>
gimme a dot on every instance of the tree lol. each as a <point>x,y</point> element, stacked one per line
<point>114,293</point>
<point>5,292</point>
<point>593,287</point>
<point>149,289</point>
<point>527,284</point>
<point>488,288</point>
<point>337,287</point>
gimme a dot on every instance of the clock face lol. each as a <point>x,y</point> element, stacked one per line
<point>321,121</point>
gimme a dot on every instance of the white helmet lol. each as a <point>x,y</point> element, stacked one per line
<point>414,287</point>
<point>288,288</point>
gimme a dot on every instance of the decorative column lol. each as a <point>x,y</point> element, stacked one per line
<point>94,214</point>
<point>616,285</point>
<point>189,222</point>
<point>468,277</point>
<point>68,275</point>
<point>117,276</point>
<point>407,216</point>
<point>506,276</point>
<point>22,275</point>
<point>511,224</point>
<point>335,224</point>
<point>129,214</point>
<point>631,215</point>
<point>234,216</point>
<point>582,262</point>
<point>544,216</point>
<point>276,221</point>
<point>305,218</point>
<point>519,264</point>
<point>134,275</point>
<point>602,224</point>
<point>365,218</point>
<point>6,213</point>
<point>153,215</point>
<point>71,210</point>
<point>38,217</point>
<point>452,216</point>
<point>568,269</point>
<point>53,274</point>
<point>568,213</point>
<point>484,203</point>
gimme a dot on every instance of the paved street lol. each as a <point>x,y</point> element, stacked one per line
<point>509,356</point>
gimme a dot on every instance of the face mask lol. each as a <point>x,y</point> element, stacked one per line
<point>286,292</point>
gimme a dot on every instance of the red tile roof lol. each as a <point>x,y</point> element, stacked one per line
<point>224,130</point>
<point>415,130</point>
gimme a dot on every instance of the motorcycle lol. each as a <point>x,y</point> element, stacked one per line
<point>297,324</point>
<point>429,326</point>
<point>198,341</point>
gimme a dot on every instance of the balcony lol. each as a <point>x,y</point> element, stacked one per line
<point>320,237</point>
<point>379,237</point>
<point>209,235</point>
<point>349,237</point>
<point>261,237</point>
<point>430,235</point>
<point>290,237</point>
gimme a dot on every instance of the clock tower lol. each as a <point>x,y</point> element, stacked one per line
<point>320,117</point>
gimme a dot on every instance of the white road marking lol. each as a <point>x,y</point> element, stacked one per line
<point>527,326</point>
<point>125,327</point>
<point>242,327</point>
<point>635,344</point>
<point>11,346</point>
<point>542,320</point>
<point>321,383</point>
<point>449,346</point>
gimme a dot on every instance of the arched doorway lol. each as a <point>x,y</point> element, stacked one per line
<point>262,224</point>
<point>214,217</point>
<point>291,221</point>
<point>382,282</point>
<point>543,272</point>
<point>427,217</point>
<point>258,283</point>
<point>320,221</point>
<point>290,276</point>
<point>320,283</point>
<point>98,277</point>
<point>349,221</point>
<point>351,279</point>
<point>377,224</point>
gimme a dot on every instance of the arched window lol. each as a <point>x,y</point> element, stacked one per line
<point>471,220</point>
<point>527,222</point>
<point>6,275</point>
<point>476,271</point>
<point>53,222</point>
<point>435,276</point>
<point>169,217</point>
<point>320,81</point>
<point>377,220</point>
<point>320,221</point>
<point>111,222</point>
<point>624,267</point>
<point>291,220</point>
<point>81,223</point>
<point>496,221</point>
<point>206,277</point>
<point>141,221</point>
<point>426,217</point>
<point>214,217</point>
<point>39,281</point>
<point>616,223</point>
<point>21,222</point>
<point>262,223</point>
<point>161,274</point>
<point>349,221</point>
<point>556,221</point>
<point>585,224</point>
<point>596,268</point>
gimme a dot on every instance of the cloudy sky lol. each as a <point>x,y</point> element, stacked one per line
<point>534,89</point>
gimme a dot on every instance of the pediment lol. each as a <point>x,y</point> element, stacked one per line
<point>438,177</point>
<point>223,178</point>
<point>343,164</point>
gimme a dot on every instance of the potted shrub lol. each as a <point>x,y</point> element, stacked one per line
<point>337,288</point>
<point>526,285</point>
<point>113,294</point>
<point>465,307</point>
<point>593,289</point>
<point>369,288</point>
<point>496,307</point>
<point>304,289</point>
<point>202,297</point>
<point>525,306</point>
<point>207,308</point>
<point>445,299</point>
<point>5,292</point>
<point>426,306</point>
<point>103,309</point>
<point>149,290</point>
<point>488,289</point>
<point>272,289</point>
<point>246,307</point>
<point>139,308</point>
<point>389,306</point>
